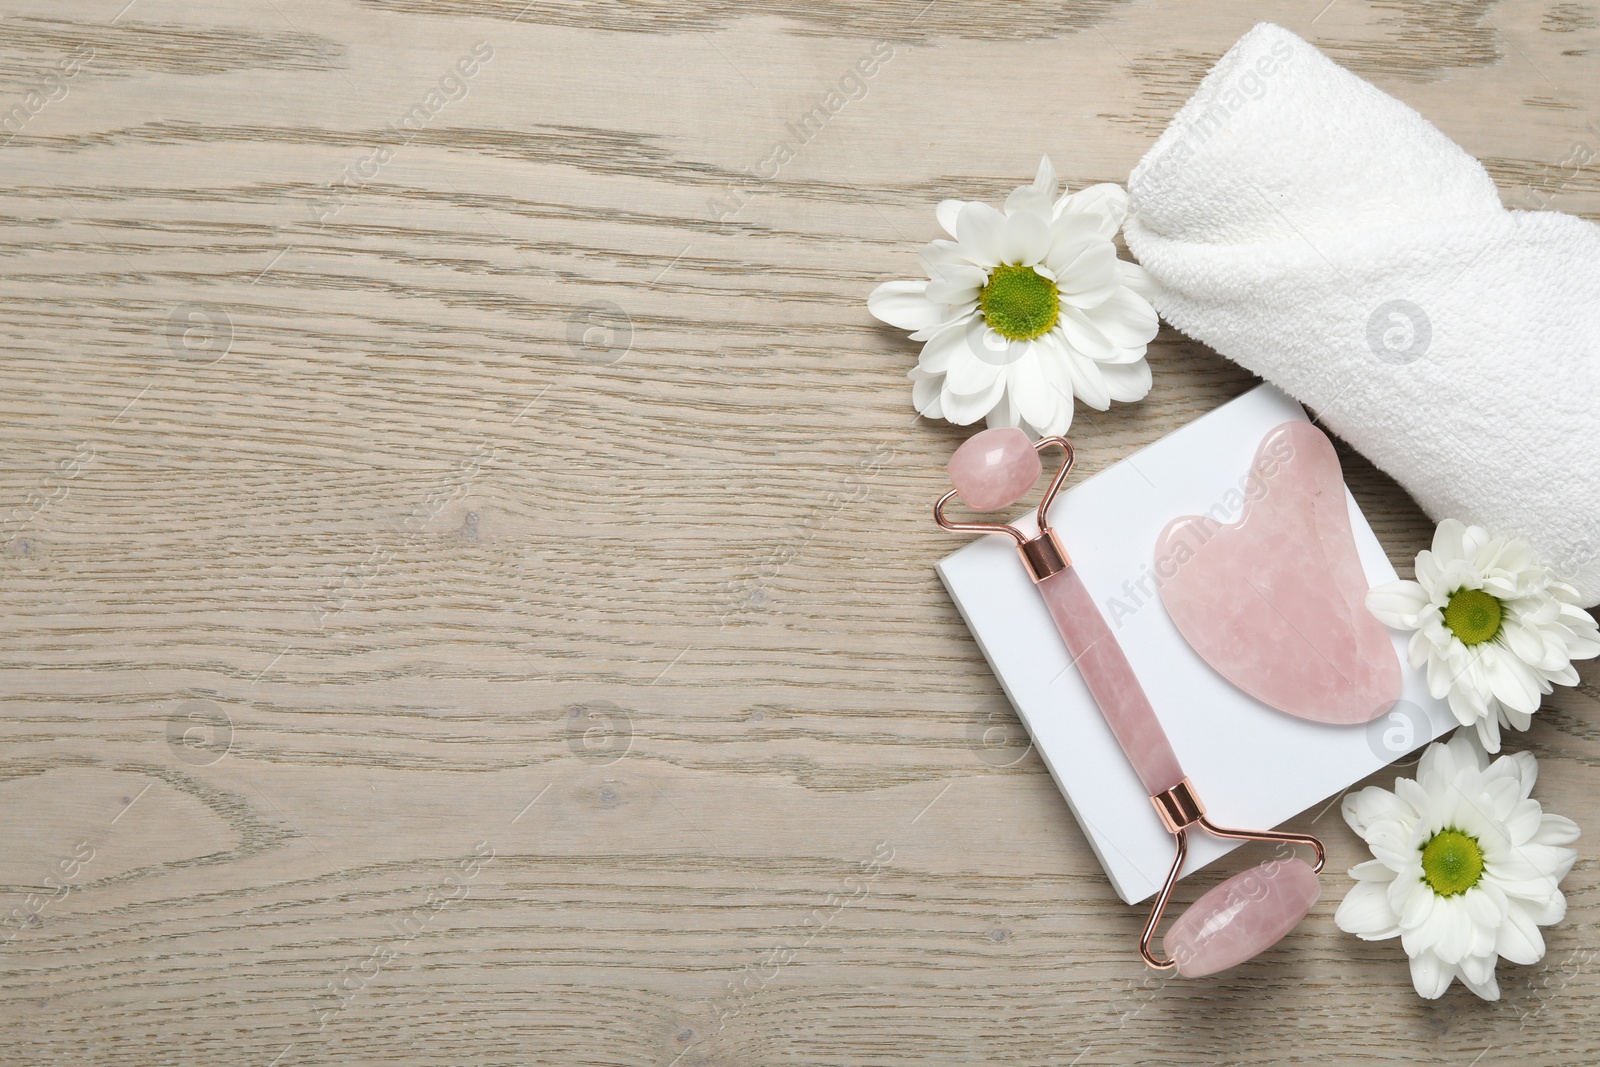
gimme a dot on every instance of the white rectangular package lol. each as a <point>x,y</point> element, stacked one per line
<point>1253,766</point>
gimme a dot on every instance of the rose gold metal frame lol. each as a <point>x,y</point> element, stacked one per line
<point>1043,553</point>
<point>1180,809</point>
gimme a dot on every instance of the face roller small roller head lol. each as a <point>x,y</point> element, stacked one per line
<point>1249,912</point>
<point>995,469</point>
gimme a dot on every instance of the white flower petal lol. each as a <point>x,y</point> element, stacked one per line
<point>1025,239</point>
<point>1053,360</point>
<point>1441,682</point>
<point>1126,382</point>
<point>959,316</point>
<point>968,375</point>
<point>1556,830</point>
<point>1500,798</point>
<point>1418,651</point>
<point>1044,179</point>
<point>1427,568</point>
<point>941,253</point>
<point>1125,318</point>
<point>1450,930</point>
<point>1365,912</point>
<point>1546,912</point>
<point>1070,235</point>
<point>1397,604</point>
<point>944,348</point>
<point>1478,548</point>
<point>1517,720</point>
<point>1488,729</point>
<point>963,409</point>
<point>1107,202</point>
<point>981,229</point>
<point>1469,695</point>
<point>956,284</point>
<point>925,396</point>
<point>947,212</point>
<point>1477,974</point>
<point>1439,761</point>
<point>1087,275</point>
<point>1138,279</point>
<point>1582,640</point>
<point>1088,384</point>
<point>1486,909</point>
<point>1005,411</point>
<point>1524,821</point>
<point>1510,680</point>
<point>905,305</point>
<point>1392,844</point>
<point>1372,871</point>
<point>1567,675</point>
<point>1035,398</point>
<point>987,346</point>
<point>1367,807</point>
<point>1411,792</point>
<point>1082,336</point>
<point>1518,939</point>
<point>1533,870</point>
<point>1035,199</point>
<point>1449,539</point>
<point>1430,976</point>
<point>1528,645</point>
<point>1466,754</point>
<point>1059,425</point>
<point>1026,200</point>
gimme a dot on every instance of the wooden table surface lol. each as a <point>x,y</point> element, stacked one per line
<point>467,573</point>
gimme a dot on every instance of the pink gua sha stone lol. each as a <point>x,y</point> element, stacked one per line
<point>1276,602</point>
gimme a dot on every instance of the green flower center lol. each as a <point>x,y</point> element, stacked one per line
<point>1473,616</point>
<point>1019,303</point>
<point>1452,862</point>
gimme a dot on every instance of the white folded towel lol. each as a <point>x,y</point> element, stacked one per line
<point>1325,236</point>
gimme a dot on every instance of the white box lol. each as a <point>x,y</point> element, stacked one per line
<point>1253,766</point>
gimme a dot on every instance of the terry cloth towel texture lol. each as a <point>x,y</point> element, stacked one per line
<point>1325,236</point>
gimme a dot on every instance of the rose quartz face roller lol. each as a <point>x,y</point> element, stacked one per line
<point>1249,912</point>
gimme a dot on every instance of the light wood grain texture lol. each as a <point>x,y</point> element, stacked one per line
<point>564,704</point>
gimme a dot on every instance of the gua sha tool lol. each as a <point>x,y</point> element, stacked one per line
<point>1276,602</point>
<point>1249,912</point>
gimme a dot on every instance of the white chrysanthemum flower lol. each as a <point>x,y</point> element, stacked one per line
<point>1026,309</point>
<point>1467,868</point>
<point>1494,626</point>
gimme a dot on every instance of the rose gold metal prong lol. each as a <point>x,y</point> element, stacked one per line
<point>973,527</point>
<point>1268,835</point>
<point>1042,554</point>
<point>1182,852</point>
<point>1055,483</point>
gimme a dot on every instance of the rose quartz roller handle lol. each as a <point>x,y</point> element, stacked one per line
<point>1111,681</point>
<point>993,470</point>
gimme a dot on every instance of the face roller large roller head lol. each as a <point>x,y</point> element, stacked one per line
<point>1249,912</point>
